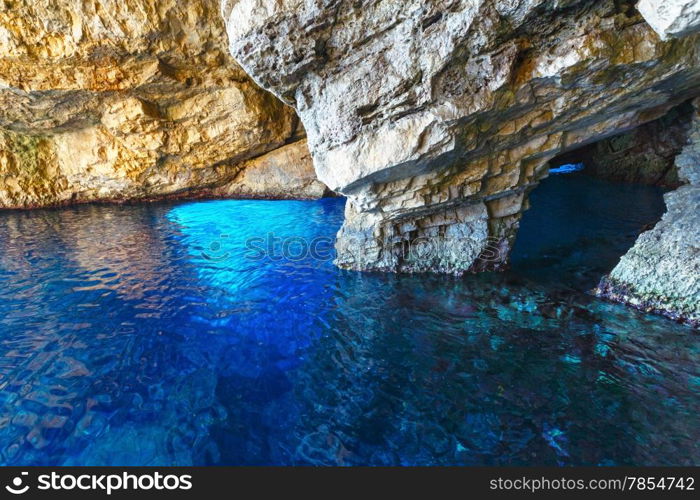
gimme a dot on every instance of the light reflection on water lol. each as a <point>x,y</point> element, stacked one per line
<point>126,339</point>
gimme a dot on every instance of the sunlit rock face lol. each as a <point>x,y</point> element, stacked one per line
<point>661,273</point>
<point>286,172</point>
<point>671,18</point>
<point>436,118</point>
<point>131,99</point>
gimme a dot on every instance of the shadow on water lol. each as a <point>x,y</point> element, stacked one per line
<point>146,335</point>
<point>580,226</point>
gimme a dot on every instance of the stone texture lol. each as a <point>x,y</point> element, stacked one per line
<point>286,172</point>
<point>645,155</point>
<point>671,18</point>
<point>661,273</point>
<point>437,117</point>
<point>131,99</point>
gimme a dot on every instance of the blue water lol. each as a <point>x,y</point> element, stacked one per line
<point>567,168</point>
<point>149,335</point>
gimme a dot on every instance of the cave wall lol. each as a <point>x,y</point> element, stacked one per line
<point>436,118</point>
<point>645,155</point>
<point>661,272</point>
<point>671,18</point>
<point>134,99</point>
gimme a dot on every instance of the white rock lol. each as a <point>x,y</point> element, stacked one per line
<point>671,18</point>
<point>436,117</point>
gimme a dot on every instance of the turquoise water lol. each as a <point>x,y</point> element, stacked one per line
<point>150,335</point>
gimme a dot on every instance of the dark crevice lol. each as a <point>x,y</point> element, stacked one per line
<point>598,200</point>
<point>644,155</point>
<point>431,20</point>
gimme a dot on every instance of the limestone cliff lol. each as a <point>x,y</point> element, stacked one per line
<point>437,117</point>
<point>133,99</point>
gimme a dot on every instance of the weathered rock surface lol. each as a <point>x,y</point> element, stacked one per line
<point>286,172</point>
<point>672,18</point>
<point>645,155</point>
<point>437,117</point>
<point>661,273</point>
<point>132,99</point>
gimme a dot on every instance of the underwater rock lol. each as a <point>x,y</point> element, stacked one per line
<point>132,99</point>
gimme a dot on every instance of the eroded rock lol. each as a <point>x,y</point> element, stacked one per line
<point>286,172</point>
<point>672,18</point>
<point>131,99</point>
<point>645,155</point>
<point>661,273</point>
<point>436,118</point>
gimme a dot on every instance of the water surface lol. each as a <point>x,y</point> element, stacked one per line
<point>146,335</point>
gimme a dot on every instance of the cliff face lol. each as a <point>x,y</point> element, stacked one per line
<point>661,273</point>
<point>437,117</point>
<point>131,99</point>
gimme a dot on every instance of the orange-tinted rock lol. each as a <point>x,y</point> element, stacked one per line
<point>127,99</point>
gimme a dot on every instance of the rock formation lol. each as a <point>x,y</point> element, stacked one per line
<point>661,273</point>
<point>672,18</point>
<point>134,99</point>
<point>437,117</point>
<point>644,155</point>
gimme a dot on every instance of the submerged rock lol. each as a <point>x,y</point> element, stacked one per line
<point>661,273</point>
<point>436,119</point>
<point>132,99</point>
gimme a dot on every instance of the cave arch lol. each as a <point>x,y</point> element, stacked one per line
<point>655,267</point>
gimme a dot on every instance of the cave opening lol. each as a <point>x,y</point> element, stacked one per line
<point>597,200</point>
<point>580,225</point>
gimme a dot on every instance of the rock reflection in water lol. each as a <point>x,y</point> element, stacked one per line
<point>123,342</point>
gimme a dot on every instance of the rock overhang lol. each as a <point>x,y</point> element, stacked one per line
<point>419,110</point>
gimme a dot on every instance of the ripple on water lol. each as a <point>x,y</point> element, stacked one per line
<point>125,340</point>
